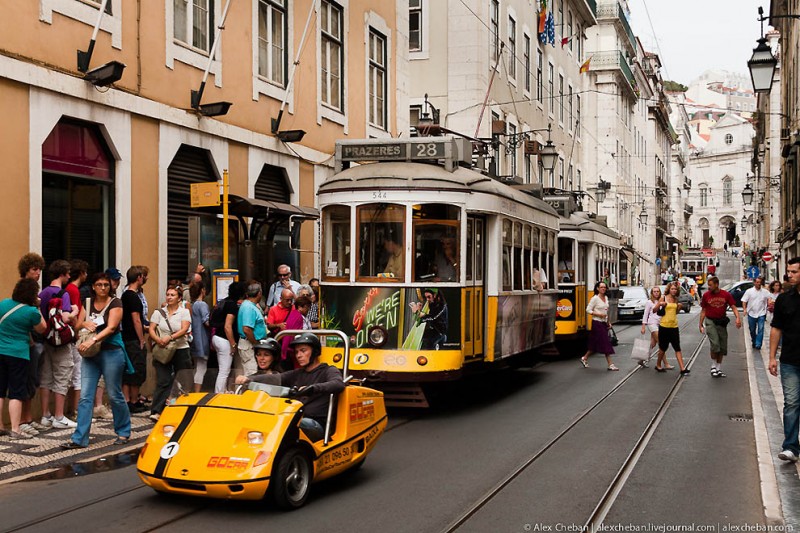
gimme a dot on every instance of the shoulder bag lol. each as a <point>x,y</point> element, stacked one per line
<point>164,354</point>
<point>85,335</point>
<point>10,312</point>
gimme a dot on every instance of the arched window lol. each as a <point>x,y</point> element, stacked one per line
<point>727,191</point>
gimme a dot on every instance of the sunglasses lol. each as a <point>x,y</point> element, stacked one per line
<point>284,275</point>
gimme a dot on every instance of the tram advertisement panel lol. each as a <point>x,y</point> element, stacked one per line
<point>412,318</point>
<point>565,307</point>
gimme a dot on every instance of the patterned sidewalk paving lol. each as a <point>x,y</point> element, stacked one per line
<point>43,453</point>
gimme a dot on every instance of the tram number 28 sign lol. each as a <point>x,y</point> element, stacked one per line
<point>393,151</point>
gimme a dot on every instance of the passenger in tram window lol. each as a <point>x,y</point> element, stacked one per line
<point>540,278</point>
<point>598,336</point>
<point>668,332</point>
<point>394,256</point>
<point>445,260</point>
<point>433,312</point>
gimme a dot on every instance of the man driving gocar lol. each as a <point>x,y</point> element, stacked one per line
<point>315,382</point>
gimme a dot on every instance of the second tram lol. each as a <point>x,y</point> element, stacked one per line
<point>431,267</point>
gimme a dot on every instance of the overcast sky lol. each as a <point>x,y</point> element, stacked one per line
<point>692,36</point>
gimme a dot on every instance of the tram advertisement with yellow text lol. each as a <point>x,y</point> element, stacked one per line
<point>395,317</point>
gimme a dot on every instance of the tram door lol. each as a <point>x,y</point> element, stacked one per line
<point>474,294</point>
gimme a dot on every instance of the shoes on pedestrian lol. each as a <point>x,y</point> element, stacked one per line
<point>47,421</point>
<point>120,441</point>
<point>787,455</point>
<point>613,367</point>
<point>714,373</point>
<point>757,347</point>
<point>37,426</point>
<point>643,364</point>
<point>154,417</point>
<point>685,371</point>
<point>18,435</point>
<point>659,369</point>
<point>29,429</point>
<point>669,367</point>
<point>136,408</point>
<point>102,412</point>
<point>721,374</point>
<point>71,445</point>
<point>584,362</point>
<point>64,423</point>
<point>4,432</point>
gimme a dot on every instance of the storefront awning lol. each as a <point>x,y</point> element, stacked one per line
<point>254,208</point>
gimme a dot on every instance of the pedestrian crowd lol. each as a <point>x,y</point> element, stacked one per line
<point>77,341</point>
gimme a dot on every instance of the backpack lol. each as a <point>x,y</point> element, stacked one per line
<point>58,333</point>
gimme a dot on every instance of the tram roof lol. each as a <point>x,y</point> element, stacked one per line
<point>424,176</point>
<point>580,221</point>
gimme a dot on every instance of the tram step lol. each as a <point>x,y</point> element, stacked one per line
<point>402,395</point>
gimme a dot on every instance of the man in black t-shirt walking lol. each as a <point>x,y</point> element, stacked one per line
<point>133,334</point>
<point>786,327</point>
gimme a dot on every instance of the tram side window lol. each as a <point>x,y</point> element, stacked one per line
<point>539,276</point>
<point>551,258</point>
<point>436,238</point>
<point>507,255</point>
<point>336,241</point>
<point>527,273</point>
<point>517,256</point>
<point>566,271</point>
<point>381,243</point>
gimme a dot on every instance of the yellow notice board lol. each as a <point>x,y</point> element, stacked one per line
<point>205,194</point>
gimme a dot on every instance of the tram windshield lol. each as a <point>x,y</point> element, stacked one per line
<point>381,241</point>
<point>436,236</point>
<point>336,241</point>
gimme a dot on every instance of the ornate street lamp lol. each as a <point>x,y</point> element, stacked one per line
<point>747,195</point>
<point>762,67</point>
<point>743,223</point>
<point>643,215</point>
<point>548,154</point>
<point>672,226</point>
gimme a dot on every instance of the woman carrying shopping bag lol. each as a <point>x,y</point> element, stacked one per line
<point>598,337</point>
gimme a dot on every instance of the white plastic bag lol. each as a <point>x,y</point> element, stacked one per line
<point>641,350</point>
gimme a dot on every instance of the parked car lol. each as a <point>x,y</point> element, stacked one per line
<point>737,289</point>
<point>632,301</point>
<point>685,298</point>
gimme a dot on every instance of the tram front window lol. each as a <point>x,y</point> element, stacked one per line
<point>381,241</point>
<point>336,241</point>
<point>436,250</point>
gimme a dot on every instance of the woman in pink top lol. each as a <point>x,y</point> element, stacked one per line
<point>651,320</point>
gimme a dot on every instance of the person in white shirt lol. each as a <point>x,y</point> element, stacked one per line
<point>285,281</point>
<point>754,305</point>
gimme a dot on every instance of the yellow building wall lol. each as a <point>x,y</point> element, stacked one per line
<point>14,216</point>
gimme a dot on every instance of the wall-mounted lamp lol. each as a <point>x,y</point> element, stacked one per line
<point>747,195</point>
<point>600,193</point>
<point>106,74</point>
<point>762,63</point>
<point>672,226</point>
<point>743,222</point>
<point>213,109</point>
<point>290,136</point>
<point>643,215</point>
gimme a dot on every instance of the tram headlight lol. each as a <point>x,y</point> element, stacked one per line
<point>337,357</point>
<point>377,336</point>
<point>422,360</point>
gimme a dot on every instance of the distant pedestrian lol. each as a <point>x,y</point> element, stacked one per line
<point>775,288</point>
<point>754,306</point>
<point>200,345</point>
<point>295,320</point>
<point>167,325</point>
<point>668,332</point>
<point>103,316</point>
<point>786,329</point>
<point>30,266</point>
<point>651,320</point>
<point>56,367</point>
<point>19,316</point>
<point>714,322</point>
<point>224,323</point>
<point>598,337</point>
<point>313,311</point>
<point>285,281</point>
<point>252,327</point>
<point>134,334</point>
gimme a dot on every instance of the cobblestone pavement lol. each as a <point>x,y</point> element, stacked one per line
<point>43,453</point>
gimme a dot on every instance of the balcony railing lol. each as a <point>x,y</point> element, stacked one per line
<point>614,59</point>
<point>614,10</point>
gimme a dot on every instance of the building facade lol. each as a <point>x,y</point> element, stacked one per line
<point>103,172</point>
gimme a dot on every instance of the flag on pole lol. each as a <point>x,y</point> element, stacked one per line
<point>585,65</point>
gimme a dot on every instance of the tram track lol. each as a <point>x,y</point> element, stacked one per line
<point>618,482</point>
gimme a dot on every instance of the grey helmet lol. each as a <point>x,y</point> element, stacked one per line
<point>271,345</point>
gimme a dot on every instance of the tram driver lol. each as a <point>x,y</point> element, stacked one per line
<point>394,255</point>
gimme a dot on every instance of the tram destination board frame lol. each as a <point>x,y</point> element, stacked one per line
<point>448,149</point>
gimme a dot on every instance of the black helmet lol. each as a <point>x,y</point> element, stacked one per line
<point>271,345</point>
<point>310,339</point>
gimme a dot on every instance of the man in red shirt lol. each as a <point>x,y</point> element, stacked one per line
<point>713,321</point>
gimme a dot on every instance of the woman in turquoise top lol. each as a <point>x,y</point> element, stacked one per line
<point>19,315</point>
<point>103,316</point>
<point>668,332</point>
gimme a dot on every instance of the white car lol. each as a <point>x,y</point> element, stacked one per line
<point>632,301</point>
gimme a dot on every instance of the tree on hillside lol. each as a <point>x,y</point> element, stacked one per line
<point>674,87</point>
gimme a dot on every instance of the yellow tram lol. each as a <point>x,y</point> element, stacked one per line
<point>431,267</point>
<point>588,252</point>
